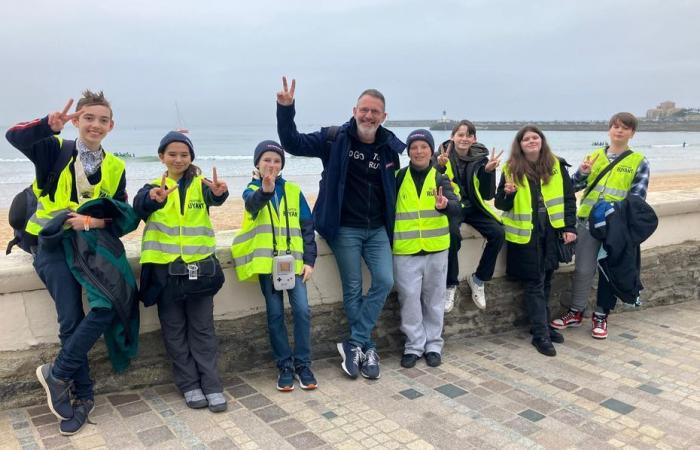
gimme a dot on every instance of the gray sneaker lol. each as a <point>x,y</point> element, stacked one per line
<point>217,402</point>
<point>370,366</point>
<point>195,399</point>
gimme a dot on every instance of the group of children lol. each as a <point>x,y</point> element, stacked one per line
<point>276,244</point>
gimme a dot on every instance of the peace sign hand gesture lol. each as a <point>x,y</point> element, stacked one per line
<point>285,97</point>
<point>587,164</point>
<point>160,193</point>
<point>444,156</point>
<point>509,187</point>
<point>268,179</point>
<point>440,200</point>
<point>494,161</point>
<point>218,187</point>
<point>58,119</point>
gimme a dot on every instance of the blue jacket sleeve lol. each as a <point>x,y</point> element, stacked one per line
<point>143,205</point>
<point>255,199</point>
<point>296,143</point>
<point>211,199</point>
<point>35,140</point>
<point>307,232</point>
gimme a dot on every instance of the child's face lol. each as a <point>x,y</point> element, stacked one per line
<point>620,134</point>
<point>176,158</point>
<point>270,162</point>
<point>94,124</point>
<point>463,140</point>
<point>531,144</point>
<point>420,154</point>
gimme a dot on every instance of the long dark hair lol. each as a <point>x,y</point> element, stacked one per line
<point>519,166</point>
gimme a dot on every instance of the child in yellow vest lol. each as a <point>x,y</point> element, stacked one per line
<point>278,222</point>
<point>424,200</point>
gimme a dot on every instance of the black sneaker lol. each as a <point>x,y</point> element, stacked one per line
<point>409,360</point>
<point>57,392</point>
<point>352,358</point>
<point>433,359</point>
<point>285,380</point>
<point>556,336</point>
<point>370,365</point>
<point>81,413</point>
<point>306,378</point>
<point>544,346</point>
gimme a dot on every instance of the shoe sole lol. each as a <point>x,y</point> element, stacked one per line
<point>306,387</point>
<point>371,378</point>
<point>285,389</point>
<point>42,380</point>
<point>339,345</point>
<point>71,433</point>
<point>599,337</point>
<point>564,327</point>
<point>545,354</point>
<point>218,408</point>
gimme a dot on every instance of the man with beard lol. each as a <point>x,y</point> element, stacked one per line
<point>354,210</point>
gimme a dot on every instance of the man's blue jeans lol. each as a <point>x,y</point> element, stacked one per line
<point>362,311</point>
<point>277,328</point>
<point>77,332</point>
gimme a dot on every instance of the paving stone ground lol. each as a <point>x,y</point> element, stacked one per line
<point>638,389</point>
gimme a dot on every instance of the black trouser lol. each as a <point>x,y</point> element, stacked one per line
<point>188,333</point>
<point>490,229</point>
<point>605,298</point>
<point>537,303</point>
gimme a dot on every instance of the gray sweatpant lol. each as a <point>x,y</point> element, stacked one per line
<point>420,282</point>
<point>586,264</point>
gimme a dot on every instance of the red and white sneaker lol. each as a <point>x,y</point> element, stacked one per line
<point>600,326</point>
<point>570,319</point>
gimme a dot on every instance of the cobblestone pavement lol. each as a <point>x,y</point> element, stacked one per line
<point>638,389</point>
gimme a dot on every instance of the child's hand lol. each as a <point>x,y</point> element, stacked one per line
<point>587,164</point>
<point>306,273</point>
<point>58,119</point>
<point>443,157</point>
<point>217,187</point>
<point>509,187</point>
<point>494,161</point>
<point>268,181</point>
<point>440,200</point>
<point>568,237</point>
<point>81,222</point>
<point>285,97</point>
<point>159,193</point>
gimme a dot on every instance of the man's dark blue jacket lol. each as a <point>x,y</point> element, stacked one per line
<point>335,159</point>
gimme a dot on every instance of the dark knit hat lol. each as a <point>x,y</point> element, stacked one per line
<point>420,135</point>
<point>176,136</point>
<point>267,146</point>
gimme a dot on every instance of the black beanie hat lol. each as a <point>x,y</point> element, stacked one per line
<point>176,136</point>
<point>267,146</point>
<point>420,135</point>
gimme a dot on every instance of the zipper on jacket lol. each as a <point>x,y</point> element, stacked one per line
<point>90,275</point>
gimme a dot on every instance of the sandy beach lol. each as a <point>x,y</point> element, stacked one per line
<point>230,215</point>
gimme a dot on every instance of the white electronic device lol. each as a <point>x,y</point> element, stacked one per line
<point>283,276</point>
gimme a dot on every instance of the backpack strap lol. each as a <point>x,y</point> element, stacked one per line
<point>607,169</point>
<point>331,134</point>
<point>64,155</point>
<point>400,176</point>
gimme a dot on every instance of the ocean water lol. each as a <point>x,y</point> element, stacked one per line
<point>230,150</point>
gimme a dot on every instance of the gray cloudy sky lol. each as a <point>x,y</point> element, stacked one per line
<point>222,60</point>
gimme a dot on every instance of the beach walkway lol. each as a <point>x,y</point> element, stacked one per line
<point>638,389</point>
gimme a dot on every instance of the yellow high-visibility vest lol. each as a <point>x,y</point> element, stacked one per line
<point>418,225</point>
<point>615,184</point>
<point>518,221</point>
<point>475,182</point>
<point>170,234</point>
<point>112,170</point>
<point>252,248</point>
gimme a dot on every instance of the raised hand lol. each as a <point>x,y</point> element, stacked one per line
<point>216,185</point>
<point>160,193</point>
<point>494,161</point>
<point>440,200</point>
<point>587,164</point>
<point>58,119</point>
<point>306,273</point>
<point>444,156</point>
<point>268,179</point>
<point>285,97</point>
<point>509,187</point>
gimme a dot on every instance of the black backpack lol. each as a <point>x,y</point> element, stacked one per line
<point>25,203</point>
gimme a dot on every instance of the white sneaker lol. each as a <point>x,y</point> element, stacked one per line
<point>450,298</point>
<point>478,294</point>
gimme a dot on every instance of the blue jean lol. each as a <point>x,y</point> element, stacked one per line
<point>274,300</point>
<point>77,332</point>
<point>362,311</point>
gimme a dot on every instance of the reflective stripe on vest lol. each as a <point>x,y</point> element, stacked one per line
<point>615,184</point>
<point>518,221</point>
<point>418,226</point>
<point>170,235</point>
<point>252,248</point>
<point>475,182</point>
<point>112,170</point>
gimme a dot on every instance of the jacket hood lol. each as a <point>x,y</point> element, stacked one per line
<point>642,218</point>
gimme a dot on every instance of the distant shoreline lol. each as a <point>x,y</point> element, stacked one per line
<point>550,125</point>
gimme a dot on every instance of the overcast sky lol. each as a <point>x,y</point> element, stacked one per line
<point>222,60</point>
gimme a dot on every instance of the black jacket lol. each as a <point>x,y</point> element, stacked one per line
<point>528,261</point>
<point>622,229</point>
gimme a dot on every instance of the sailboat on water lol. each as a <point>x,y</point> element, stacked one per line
<point>179,121</point>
